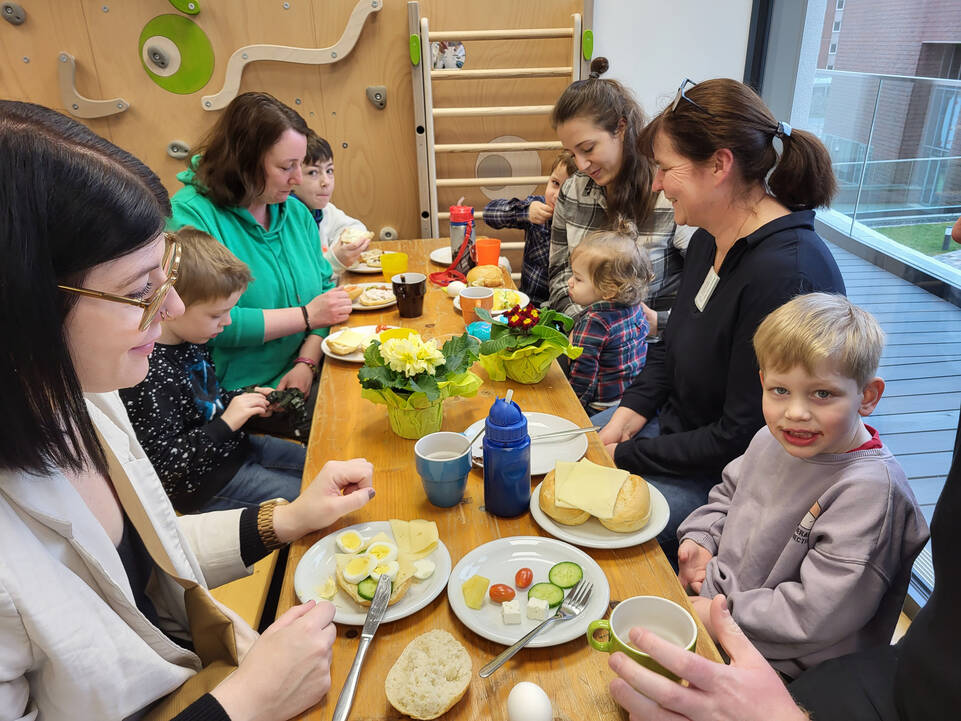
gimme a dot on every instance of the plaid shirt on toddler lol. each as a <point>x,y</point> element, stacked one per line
<point>613,337</point>
<point>513,213</point>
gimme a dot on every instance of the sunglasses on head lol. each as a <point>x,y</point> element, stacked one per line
<point>682,95</point>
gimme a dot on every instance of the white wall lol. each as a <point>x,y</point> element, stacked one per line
<point>654,44</point>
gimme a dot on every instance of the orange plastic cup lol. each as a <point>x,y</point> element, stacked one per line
<point>487,250</point>
<point>393,263</point>
<point>471,298</point>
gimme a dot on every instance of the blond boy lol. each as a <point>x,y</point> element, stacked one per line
<point>188,425</point>
<point>812,532</point>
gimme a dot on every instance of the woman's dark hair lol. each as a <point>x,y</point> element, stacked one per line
<point>723,113</point>
<point>72,201</point>
<point>231,169</point>
<point>606,102</point>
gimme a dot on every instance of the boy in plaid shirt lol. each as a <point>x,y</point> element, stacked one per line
<point>610,273</point>
<point>533,216</point>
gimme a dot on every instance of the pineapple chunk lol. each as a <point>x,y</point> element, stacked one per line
<point>475,588</point>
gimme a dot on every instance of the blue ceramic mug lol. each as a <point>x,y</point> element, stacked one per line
<point>443,462</point>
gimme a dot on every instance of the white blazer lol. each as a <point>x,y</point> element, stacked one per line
<point>73,644</point>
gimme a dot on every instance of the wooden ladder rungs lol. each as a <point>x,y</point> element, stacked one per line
<point>497,147</point>
<point>484,73</point>
<point>493,182</point>
<point>519,34</point>
<point>494,110</point>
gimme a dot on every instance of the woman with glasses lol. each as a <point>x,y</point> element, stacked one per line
<point>104,608</point>
<point>598,120</point>
<point>238,190</point>
<point>695,408</point>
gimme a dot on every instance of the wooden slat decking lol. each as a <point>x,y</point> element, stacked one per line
<point>921,365</point>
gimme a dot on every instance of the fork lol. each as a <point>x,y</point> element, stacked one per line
<point>575,602</point>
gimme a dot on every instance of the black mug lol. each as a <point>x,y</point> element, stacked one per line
<point>410,289</point>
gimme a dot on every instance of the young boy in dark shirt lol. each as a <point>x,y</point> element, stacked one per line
<point>188,425</point>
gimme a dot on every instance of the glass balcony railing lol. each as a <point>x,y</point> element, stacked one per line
<point>895,143</point>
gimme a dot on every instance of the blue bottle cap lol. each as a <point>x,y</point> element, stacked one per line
<point>505,422</point>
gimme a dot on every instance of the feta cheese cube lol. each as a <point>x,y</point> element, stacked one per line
<point>511,612</point>
<point>536,609</point>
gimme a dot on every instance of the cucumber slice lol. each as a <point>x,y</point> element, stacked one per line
<point>366,588</point>
<point>565,574</point>
<point>549,592</point>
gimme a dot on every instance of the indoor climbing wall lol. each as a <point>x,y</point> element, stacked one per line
<point>140,72</point>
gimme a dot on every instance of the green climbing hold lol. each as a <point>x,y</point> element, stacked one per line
<point>587,44</point>
<point>176,54</point>
<point>415,49</point>
<point>190,7</point>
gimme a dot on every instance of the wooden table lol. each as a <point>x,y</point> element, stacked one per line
<point>345,425</point>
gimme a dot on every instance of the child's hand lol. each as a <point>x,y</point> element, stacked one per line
<point>349,254</point>
<point>692,561</point>
<point>244,407</point>
<point>539,213</point>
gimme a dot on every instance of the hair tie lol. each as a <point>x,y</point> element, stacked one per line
<point>593,75</point>
<point>783,130</point>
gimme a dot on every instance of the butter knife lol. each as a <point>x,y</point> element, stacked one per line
<point>378,607</point>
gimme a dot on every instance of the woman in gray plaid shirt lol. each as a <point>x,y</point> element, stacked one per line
<point>599,120</point>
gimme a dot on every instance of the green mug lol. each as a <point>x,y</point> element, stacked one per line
<point>665,618</point>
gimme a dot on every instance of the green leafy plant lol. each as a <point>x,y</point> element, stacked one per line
<point>524,342</point>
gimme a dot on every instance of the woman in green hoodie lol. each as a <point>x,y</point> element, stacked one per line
<point>237,190</point>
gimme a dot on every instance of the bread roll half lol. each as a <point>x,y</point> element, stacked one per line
<point>431,674</point>
<point>548,504</point>
<point>397,592</point>
<point>632,509</point>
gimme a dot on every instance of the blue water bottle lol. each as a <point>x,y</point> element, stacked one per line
<point>507,460</point>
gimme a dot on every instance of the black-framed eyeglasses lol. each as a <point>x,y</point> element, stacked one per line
<point>152,305</point>
<point>682,94</point>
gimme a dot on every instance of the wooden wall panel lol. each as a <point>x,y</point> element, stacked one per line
<point>377,170</point>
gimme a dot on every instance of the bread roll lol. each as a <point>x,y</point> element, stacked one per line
<point>548,504</point>
<point>376,295</point>
<point>431,674</point>
<point>488,276</point>
<point>351,237</point>
<point>632,509</point>
<point>353,291</point>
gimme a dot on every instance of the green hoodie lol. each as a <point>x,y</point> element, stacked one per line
<point>288,268</point>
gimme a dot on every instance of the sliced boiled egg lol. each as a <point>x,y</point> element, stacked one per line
<point>350,542</point>
<point>424,568</point>
<point>383,551</point>
<point>389,569</point>
<point>357,569</point>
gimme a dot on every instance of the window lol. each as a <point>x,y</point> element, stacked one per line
<point>837,26</point>
<point>840,5</point>
<point>833,49</point>
<point>830,66</point>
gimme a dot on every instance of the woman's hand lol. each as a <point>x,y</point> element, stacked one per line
<point>340,488</point>
<point>329,308</point>
<point>348,254</point>
<point>692,561</point>
<point>747,690</point>
<point>622,426</point>
<point>300,376</point>
<point>651,316</point>
<point>286,671</point>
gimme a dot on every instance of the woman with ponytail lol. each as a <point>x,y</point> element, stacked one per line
<point>696,406</point>
<point>598,120</point>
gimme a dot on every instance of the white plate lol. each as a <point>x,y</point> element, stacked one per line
<point>524,300</point>
<point>357,306</point>
<point>543,453</point>
<point>442,256</point>
<point>358,355</point>
<point>319,563</point>
<point>499,560</point>
<point>591,534</point>
<point>364,268</point>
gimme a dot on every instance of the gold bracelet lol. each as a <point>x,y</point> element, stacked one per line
<point>265,523</point>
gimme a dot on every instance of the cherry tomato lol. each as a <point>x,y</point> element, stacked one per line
<point>523,578</point>
<point>501,592</point>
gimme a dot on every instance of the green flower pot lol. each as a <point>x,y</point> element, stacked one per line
<point>416,423</point>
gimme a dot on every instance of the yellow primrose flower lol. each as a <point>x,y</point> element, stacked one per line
<point>411,355</point>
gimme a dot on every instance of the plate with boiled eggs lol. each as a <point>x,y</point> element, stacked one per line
<point>344,568</point>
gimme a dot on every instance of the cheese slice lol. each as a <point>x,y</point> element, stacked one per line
<point>423,553</point>
<point>348,341</point>
<point>422,535</point>
<point>562,471</point>
<point>591,488</point>
<point>401,531</point>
